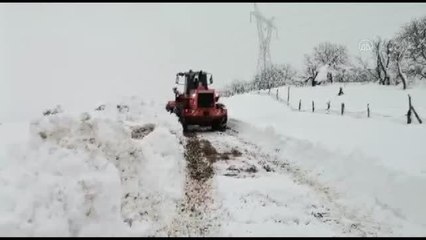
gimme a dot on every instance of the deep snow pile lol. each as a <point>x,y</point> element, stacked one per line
<point>376,167</point>
<point>118,171</point>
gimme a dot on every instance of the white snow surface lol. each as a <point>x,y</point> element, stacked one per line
<point>374,167</point>
<point>88,177</point>
<point>389,103</point>
<point>83,174</point>
<point>260,196</point>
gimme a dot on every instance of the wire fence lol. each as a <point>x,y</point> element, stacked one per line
<point>325,108</point>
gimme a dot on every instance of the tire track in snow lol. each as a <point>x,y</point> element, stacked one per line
<point>194,218</point>
<point>335,213</point>
<point>198,212</point>
<point>330,212</point>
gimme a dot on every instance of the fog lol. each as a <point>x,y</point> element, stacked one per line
<point>79,54</point>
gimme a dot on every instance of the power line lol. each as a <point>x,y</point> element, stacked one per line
<point>264,28</point>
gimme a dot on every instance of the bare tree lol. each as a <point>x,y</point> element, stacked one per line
<point>331,54</point>
<point>283,75</point>
<point>398,54</point>
<point>357,71</point>
<point>311,69</point>
<point>364,70</point>
<point>277,75</point>
<point>328,54</point>
<point>382,52</point>
<point>414,33</point>
<point>236,87</point>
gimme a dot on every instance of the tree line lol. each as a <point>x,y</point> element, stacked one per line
<point>400,60</point>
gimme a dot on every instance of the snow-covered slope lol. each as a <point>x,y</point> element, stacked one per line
<point>376,167</point>
<point>83,174</point>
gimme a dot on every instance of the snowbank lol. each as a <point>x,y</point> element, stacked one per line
<point>376,167</point>
<point>113,172</point>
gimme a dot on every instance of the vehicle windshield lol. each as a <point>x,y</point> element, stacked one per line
<point>194,80</point>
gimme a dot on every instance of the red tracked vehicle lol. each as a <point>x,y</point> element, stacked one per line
<point>198,104</point>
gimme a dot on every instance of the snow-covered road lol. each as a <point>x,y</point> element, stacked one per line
<point>258,193</point>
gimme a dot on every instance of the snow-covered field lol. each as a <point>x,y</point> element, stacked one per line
<point>123,170</point>
<point>386,102</point>
<point>375,167</point>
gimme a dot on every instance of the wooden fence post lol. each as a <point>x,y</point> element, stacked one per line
<point>409,110</point>
<point>277,93</point>
<point>417,116</point>
<point>300,104</point>
<point>288,95</point>
<point>368,110</point>
<point>313,106</point>
<point>328,106</point>
<point>343,108</point>
<point>412,110</point>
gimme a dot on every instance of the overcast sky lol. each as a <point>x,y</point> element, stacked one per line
<point>79,54</point>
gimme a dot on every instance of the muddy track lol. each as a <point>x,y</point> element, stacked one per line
<point>197,156</point>
<point>194,217</point>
